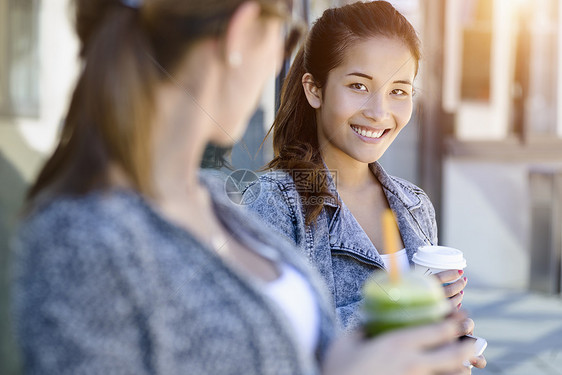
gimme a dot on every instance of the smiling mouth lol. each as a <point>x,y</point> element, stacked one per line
<point>374,134</point>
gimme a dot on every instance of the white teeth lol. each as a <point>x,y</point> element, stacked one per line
<point>368,134</point>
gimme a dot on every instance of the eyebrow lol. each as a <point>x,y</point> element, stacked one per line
<point>405,82</point>
<point>361,75</point>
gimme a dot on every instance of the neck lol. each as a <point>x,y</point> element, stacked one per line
<point>182,131</point>
<point>351,174</point>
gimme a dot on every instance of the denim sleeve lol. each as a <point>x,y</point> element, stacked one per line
<point>65,323</point>
<point>275,204</point>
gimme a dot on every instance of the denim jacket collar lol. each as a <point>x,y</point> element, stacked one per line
<point>406,196</point>
<point>402,200</point>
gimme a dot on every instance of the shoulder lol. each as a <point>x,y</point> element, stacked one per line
<point>409,186</point>
<point>279,179</point>
<point>71,248</point>
<point>418,204</point>
<point>272,190</point>
<point>214,181</point>
<point>416,195</point>
<point>81,224</point>
<point>83,211</point>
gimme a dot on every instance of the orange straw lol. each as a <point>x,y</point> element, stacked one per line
<point>390,235</point>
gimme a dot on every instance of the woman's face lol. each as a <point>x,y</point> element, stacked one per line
<point>367,100</point>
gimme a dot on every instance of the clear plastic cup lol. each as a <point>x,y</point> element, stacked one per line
<point>413,300</point>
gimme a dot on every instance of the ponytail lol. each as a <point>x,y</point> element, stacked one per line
<point>110,112</point>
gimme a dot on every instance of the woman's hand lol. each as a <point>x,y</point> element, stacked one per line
<point>425,350</point>
<point>466,327</point>
<point>479,362</point>
<point>455,290</point>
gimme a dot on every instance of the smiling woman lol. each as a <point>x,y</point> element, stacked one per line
<point>345,100</point>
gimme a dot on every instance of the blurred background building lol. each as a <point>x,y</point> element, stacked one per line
<point>485,140</point>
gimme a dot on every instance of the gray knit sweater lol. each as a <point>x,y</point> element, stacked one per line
<point>105,285</point>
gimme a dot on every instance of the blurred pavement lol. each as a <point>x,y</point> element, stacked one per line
<point>523,330</point>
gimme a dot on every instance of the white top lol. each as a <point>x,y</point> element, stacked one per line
<point>401,259</point>
<point>294,296</point>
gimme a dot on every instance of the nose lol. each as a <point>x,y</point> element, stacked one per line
<point>377,107</point>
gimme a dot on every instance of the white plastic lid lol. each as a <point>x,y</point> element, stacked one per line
<point>442,257</point>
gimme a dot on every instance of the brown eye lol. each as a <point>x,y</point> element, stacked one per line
<point>399,92</point>
<point>358,86</point>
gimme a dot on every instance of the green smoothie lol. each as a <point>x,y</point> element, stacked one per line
<point>413,300</point>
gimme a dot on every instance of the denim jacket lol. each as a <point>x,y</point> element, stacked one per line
<point>336,244</point>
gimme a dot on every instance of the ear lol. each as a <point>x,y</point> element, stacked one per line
<point>240,32</point>
<point>313,93</point>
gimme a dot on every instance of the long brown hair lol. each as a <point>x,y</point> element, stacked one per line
<point>125,48</point>
<point>295,142</point>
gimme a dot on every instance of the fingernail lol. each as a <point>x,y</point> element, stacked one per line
<point>464,278</point>
<point>462,291</point>
<point>459,306</point>
<point>461,272</point>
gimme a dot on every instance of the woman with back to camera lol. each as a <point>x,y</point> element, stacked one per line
<point>346,97</point>
<point>130,261</point>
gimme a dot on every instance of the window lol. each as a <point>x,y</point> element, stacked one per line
<point>539,25</point>
<point>476,51</point>
<point>19,64</point>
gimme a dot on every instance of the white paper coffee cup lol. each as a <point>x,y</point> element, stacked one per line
<point>429,260</point>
